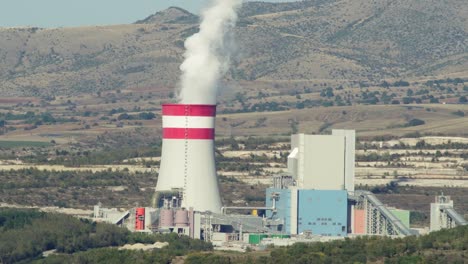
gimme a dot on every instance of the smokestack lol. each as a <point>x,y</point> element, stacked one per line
<point>207,53</point>
<point>187,158</point>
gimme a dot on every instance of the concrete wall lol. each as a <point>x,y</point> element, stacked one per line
<point>438,221</point>
<point>323,162</point>
<point>403,215</point>
<point>319,161</point>
<point>350,147</point>
<point>359,226</point>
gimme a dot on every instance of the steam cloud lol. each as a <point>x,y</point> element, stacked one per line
<point>207,54</point>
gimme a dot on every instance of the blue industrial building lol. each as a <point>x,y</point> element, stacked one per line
<point>283,205</point>
<point>321,212</point>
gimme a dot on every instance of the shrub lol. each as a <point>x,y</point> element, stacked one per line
<point>415,122</point>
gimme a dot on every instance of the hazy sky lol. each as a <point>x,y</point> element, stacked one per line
<point>66,13</point>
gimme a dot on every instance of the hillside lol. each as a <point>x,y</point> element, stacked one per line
<point>172,15</point>
<point>308,42</point>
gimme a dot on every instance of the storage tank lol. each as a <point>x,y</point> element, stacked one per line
<point>140,219</point>
<point>181,218</point>
<point>166,218</point>
<point>188,158</point>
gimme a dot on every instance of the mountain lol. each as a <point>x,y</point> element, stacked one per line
<point>172,15</point>
<point>307,41</point>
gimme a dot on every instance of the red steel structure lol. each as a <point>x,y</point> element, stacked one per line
<point>140,219</point>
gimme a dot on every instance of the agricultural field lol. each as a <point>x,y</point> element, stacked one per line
<point>403,172</point>
<point>80,111</point>
<point>118,133</point>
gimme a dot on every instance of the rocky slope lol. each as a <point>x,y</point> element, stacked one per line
<point>303,41</point>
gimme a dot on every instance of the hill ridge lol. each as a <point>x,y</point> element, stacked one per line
<point>170,15</point>
<point>308,41</point>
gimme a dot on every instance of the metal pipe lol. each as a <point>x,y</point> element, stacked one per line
<point>391,217</point>
<point>224,208</point>
<point>459,220</point>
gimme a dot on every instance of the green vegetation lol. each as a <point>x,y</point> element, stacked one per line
<point>104,157</point>
<point>35,178</point>
<point>446,246</point>
<point>110,255</point>
<point>25,234</point>
<point>75,188</point>
<point>140,116</point>
<point>459,113</point>
<point>415,122</point>
<point>20,144</point>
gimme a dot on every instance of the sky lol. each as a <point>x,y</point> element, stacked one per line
<point>72,13</point>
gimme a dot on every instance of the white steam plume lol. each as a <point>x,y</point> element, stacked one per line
<point>207,54</point>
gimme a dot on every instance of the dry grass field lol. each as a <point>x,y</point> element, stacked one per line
<point>366,120</point>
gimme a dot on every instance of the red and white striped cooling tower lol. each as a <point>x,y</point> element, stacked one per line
<point>187,158</point>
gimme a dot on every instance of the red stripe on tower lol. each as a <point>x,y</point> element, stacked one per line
<point>188,133</point>
<point>182,121</point>
<point>188,110</point>
<point>187,156</point>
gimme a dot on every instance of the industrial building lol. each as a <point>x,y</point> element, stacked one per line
<point>314,201</point>
<point>443,215</point>
<point>323,162</point>
<point>320,212</point>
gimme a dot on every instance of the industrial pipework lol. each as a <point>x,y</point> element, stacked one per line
<point>274,196</point>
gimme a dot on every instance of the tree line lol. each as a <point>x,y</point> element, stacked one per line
<point>446,246</point>
<point>25,234</point>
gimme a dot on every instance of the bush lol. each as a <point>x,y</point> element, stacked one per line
<point>415,122</point>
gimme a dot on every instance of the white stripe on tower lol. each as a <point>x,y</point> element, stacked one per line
<point>188,121</point>
<point>188,158</point>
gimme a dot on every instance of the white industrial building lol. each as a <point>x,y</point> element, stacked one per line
<point>443,215</point>
<point>323,162</point>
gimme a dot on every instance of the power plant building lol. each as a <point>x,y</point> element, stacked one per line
<point>322,169</point>
<point>188,168</point>
<point>318,212</point>
<point>323,162</point>
<point>443,215</point>
<point>316,199</point>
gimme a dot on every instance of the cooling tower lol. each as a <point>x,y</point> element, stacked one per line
<point>187,158</point>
